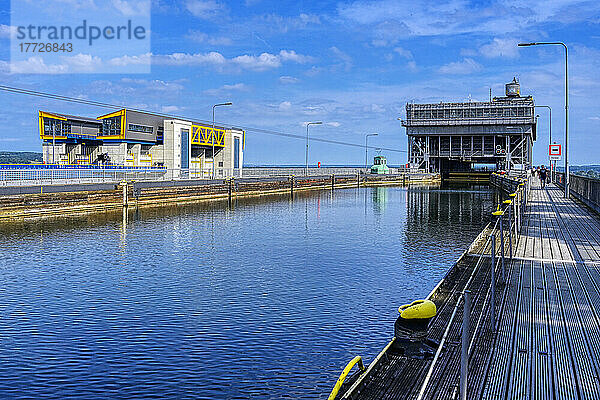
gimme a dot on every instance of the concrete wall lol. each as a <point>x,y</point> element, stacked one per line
<point>60,153</point>
<point>116,151</point>
<point>228,152</point>
<point>172,142</point>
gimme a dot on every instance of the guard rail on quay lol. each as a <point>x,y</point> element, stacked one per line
<point>23,176</point>
<point>584,189</point>
<point>454,346</point>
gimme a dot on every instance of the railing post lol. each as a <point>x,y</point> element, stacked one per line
<point>510,246</point>
<point>125,202</point>
<point>493,284</point>
<point>464,357</point>
<point>502,246</point>
<point>358,179</point>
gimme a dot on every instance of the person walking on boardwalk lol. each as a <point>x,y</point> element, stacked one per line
<point>542,175</point>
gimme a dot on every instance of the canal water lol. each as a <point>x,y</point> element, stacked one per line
<point>267,298</point>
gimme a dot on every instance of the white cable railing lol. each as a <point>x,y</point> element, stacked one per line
<point>65,176</point>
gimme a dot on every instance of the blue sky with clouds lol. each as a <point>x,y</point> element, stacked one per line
<point>351,64</point>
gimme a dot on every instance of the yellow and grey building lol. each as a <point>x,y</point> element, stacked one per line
<point>138,139</point>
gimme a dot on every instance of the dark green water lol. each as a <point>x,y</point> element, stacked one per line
<point>267,299</point>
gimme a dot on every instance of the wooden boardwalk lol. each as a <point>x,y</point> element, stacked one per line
<point>547,341</point>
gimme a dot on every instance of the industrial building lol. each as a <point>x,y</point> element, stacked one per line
<point>139,139</point>
<point>445,137</point>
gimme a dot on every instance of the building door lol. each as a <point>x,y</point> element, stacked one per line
<point>185,148</point>
<point>236,152</point>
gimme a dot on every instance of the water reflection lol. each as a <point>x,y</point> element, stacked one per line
<point>379,198</point>
<point>264,297</point>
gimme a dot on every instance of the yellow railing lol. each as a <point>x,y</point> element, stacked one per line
<point>344,374</point>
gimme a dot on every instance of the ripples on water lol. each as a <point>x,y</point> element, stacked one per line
<point>267,300</point>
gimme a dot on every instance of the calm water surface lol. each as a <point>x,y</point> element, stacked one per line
<point>267,299</point>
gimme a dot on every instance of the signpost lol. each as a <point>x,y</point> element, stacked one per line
<point>555,154</point>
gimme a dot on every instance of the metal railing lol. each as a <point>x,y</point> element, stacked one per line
<point>299,171</point>
<point>585,189</point>
<point>63,176</point>
<point>505,231</point>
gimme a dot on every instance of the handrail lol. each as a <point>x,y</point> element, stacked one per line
<point>344,374</point>
<point>494,230</point>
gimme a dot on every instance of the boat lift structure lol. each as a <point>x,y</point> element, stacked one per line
<point>449,137</point>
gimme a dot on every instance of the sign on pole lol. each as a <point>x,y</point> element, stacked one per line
<point>555,152</point>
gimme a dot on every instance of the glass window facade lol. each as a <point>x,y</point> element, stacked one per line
<point>185,148</point>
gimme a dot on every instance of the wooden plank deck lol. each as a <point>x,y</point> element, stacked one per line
<point>547,342</point>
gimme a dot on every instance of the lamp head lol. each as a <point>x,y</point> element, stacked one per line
<point>526,44</point>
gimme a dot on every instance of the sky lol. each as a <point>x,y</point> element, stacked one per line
<point>351,64</point>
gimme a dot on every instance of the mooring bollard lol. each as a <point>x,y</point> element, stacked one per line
<point>464,354</point>
<point>493,290</point>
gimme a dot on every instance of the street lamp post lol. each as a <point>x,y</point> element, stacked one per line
<point>306,155</point>
<point>550,140</point>
<point>212,136</point>
<point>367,148</point>
<point>566,105</point>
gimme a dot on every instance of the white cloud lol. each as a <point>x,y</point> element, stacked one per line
<point>202,37</point>
<point>466,66</point>
<point>335,124</point>
<point>213,58</point>
<point>291,55</point>
<point>313,71</point>
<point>285,105</point>
<point>257,63</point>
<point>82,62</point>
<point>204,9</point>
<point>376,108</point>
<point>403,53</point>
<point>89,63</point>
<point>169,109</point>
<point>288,79</point>
<point>227,88</point>
<point>37,65</point>
<point>155,85</point>
<point>506,48</point>
<point>143,59</point>
<point>282,24</point>
<point>130,8</point>
<point>391,19</point>
<point>346,60</point>
<point>261,62</point>
<point>6,31</point>
<point>406,54</point>
<point>412,66</point>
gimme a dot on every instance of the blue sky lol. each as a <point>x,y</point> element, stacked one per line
<point>351,64</point>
